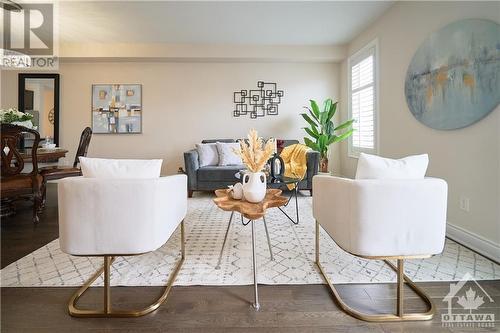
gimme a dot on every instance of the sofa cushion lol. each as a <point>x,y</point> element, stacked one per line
<point>227,156</point>
<point>219,173</point>
<point>207,154</point>
<point>376,167</point>
<point>120,168</point>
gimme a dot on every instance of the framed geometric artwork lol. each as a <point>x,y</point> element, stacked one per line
<point>117,108</point>
<point>258,102</point>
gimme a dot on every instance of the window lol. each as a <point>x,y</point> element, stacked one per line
<point>362,85</point>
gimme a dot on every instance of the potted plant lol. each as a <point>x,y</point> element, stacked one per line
<point>13,116</point>
<point>322,130</point>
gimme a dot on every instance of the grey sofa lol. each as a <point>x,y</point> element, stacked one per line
<point>210,178</point>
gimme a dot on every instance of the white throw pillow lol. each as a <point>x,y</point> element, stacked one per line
<point>227,156</point>
<point>207,154</point>
<point>119,168</point>
<point>376,167</point>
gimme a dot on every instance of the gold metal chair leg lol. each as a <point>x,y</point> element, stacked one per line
<point>107,311</point>
<point>401,280</point>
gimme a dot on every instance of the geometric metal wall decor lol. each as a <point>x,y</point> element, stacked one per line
<point>453,79</point>
<point>258,102</point>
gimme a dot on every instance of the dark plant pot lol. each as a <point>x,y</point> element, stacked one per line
<point>323,164</point>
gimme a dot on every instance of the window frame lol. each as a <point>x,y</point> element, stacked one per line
<point>356,58</point>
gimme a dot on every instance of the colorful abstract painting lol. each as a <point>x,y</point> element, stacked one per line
<point>453,79</point>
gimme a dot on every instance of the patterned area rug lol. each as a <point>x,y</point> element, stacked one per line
<point>293,248</point>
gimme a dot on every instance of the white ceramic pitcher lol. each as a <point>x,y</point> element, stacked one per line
<point>254,186</point>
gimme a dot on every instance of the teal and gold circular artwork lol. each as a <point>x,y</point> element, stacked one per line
<point>453,79</point>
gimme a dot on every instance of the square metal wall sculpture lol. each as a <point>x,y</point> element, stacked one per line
<point>258,102</point>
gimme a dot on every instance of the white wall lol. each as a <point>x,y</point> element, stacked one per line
<point>468,159</point>
<point>184,102</point>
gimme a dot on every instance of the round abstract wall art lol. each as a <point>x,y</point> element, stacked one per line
<point>453,79</point>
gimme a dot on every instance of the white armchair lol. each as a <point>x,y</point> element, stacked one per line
<point>111,217</point>
<point>382,219</point>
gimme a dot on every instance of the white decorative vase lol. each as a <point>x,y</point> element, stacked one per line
<point>254,186</point>
<point>236,191</point>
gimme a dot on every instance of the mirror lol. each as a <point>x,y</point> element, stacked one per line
<point>38,94</point>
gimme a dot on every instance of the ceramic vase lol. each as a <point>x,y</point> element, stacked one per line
<point>236,191</point>
<point>254,186</point>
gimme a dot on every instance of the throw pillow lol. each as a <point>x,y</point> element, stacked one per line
<point>376,167</point>
<point>119,168</point>
<point>207,154</point>
<point>227,156</point>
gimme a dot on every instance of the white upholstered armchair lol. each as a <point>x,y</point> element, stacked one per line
<point>382,219</point>
<point>119,217</point>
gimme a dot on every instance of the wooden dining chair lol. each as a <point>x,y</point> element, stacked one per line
<point>58,172</point>
<point>15,183</point>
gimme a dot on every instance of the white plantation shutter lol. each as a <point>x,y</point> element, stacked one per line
<point>362,100</point>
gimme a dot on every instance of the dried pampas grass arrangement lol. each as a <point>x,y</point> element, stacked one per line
<point>255,153</point>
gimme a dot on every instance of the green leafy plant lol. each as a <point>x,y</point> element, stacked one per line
<point>12,115</point>
<point>322,131</point>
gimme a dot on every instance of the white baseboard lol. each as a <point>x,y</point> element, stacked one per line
<point>475,242</point>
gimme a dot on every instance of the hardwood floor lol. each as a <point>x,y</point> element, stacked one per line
<point>286,308</point>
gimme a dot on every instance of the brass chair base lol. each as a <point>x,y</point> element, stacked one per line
<point>401,280</point>
<point>107,311</point>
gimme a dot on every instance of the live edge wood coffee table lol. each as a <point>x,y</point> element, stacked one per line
<point>252,212</point>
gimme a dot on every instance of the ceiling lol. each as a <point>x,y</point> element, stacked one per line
<point>185,22</point>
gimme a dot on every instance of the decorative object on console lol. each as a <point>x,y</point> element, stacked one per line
<point>15,117</point>
<point>116,108</point>
<point>258,102</point>
<point>452,81</point>
<point>255,155</point>
<point>322,129</point>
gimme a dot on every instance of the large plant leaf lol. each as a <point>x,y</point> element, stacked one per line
<point>344,125</point>
<point>343,136</point>
<point>329,128</point>
<point>312,145</point>
<point>315,108</point>
<point>331,139</point>
<point>311,113</point>
<point>309,120</point>
<point>327,104</point>
<point>323,142</point>
<point>331,111</point>
<point>312,133</point>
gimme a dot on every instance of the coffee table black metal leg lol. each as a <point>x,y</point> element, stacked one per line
<point>294,193</point>
<point>224,243</point>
